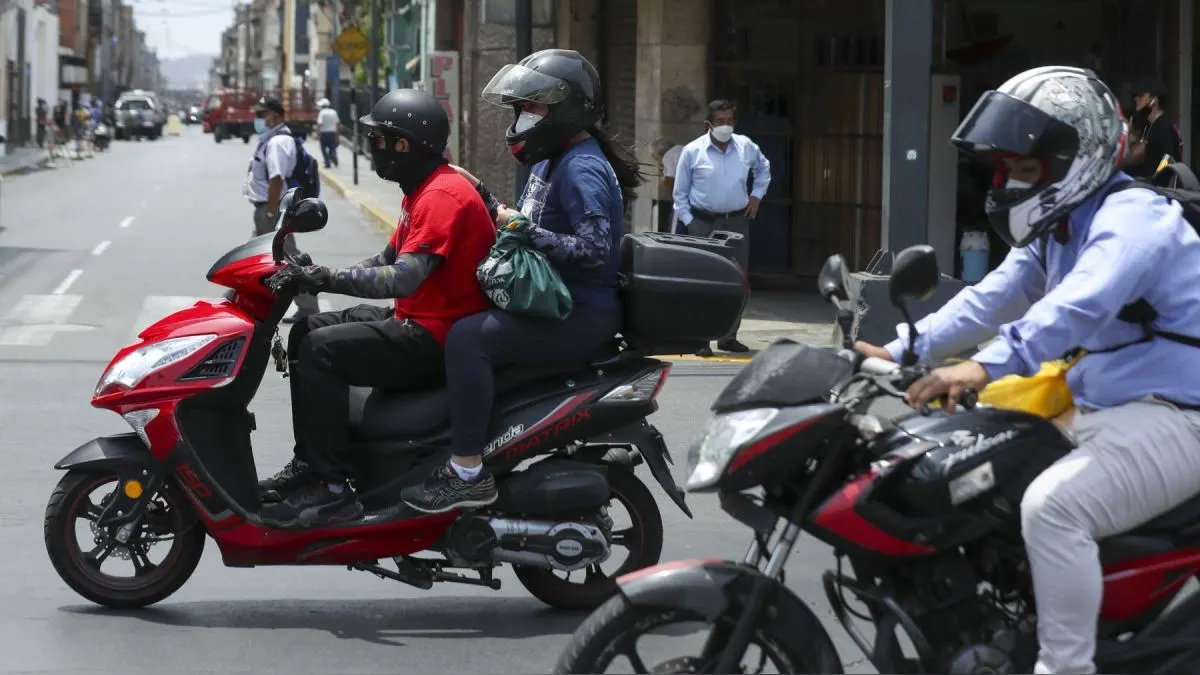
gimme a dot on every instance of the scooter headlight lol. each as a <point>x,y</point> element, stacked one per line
<point>136,365</point>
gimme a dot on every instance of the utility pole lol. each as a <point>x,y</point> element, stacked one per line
<point>373,57</point>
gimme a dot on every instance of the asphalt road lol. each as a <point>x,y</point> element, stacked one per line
<point>91,254</point>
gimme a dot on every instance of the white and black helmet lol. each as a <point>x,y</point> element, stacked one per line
<point>1065,117</point>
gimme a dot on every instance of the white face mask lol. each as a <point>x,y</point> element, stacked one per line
<point>723,133</point>
<point>526,121</point>
<point>1014,184</point>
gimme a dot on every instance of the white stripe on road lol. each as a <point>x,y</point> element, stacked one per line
<point>126,222</point>
<point>66,283</point>
<point>100,248</point>
<point>155,307</point>
<point>38,318</point>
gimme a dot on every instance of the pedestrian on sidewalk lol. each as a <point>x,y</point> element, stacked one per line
<point>667,153</point>
<point>273,161</point>
<point>713,190</point>
<point>329,126</point>
<point>1154,133</point>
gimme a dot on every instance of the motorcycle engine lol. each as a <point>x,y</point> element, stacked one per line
<point>564,546</point>
<point>973,630</point>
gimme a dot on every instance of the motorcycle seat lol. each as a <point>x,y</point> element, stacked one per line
<point>383,414</point>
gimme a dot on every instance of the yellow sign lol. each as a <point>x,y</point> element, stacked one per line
<point>352,45</point>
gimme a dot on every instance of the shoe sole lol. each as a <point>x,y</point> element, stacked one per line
<point>470,504</point>
<point>309,516</point>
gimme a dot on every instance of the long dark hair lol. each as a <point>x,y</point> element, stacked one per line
<point>623,161</point>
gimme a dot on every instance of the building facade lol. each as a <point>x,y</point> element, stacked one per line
<point>29,37</point>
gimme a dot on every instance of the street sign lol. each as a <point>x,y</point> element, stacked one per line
<point>352,45</point>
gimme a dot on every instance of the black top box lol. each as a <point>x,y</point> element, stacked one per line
<point>678,293</point>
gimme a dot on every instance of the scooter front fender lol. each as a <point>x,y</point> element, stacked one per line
<point>117,452</point>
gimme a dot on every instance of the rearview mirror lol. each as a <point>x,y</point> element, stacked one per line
<point>914,275</point>
<point>308,215</point>
<point>833,279</point>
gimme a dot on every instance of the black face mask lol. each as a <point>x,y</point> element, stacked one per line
<point>409,169</point>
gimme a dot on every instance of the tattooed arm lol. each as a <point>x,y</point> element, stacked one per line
<point>395,279</point>
<point>589,245</point>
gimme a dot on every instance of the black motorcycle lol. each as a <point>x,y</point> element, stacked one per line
<point>923,510</point>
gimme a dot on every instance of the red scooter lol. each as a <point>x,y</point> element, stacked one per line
<point>187,470</point>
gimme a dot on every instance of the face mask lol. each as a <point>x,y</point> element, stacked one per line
<point>408,169</point>
<point>1014,184</point>
<point>525,122</point>
<point>722,133</point>
<point>260,125</point>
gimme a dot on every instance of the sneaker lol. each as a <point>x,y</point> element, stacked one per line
<point>444,491</point>
<point>314,505</point>
<point>294,475</point>
<point>705,351</point>
<point>732,346</point>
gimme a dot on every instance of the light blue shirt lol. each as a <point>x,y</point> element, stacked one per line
<point>1137,245</point>
<point>714,180</point>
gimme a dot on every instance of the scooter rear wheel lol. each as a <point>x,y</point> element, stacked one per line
<point>170,513</point>
<point>644,538</point>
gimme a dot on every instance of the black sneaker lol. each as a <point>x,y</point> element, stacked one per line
<point>293,476</point>
<point>314,505</point>
<point>732,346</point>
<point>444,491</point>
<point>705,351</point>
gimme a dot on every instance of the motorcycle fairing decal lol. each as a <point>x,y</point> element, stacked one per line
<point>770,442</point>
<point>561,418</point>
<point>838,516</point>
<point>670,566</point>
<point>1133,586</point>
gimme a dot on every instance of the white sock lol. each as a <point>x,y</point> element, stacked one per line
<point>467,473</point>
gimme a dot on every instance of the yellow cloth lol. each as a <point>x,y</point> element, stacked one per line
<point>1045,393</point>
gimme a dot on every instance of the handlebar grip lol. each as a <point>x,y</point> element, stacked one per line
<point>876,366</point>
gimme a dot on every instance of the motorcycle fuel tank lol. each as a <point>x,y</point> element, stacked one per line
<point>985,460</point>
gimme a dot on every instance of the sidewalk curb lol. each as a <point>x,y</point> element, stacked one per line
<point>373,213</point>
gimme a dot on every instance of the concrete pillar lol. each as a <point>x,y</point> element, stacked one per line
<point>576,27</point>
<point>672,84</point>
<point>906,91</point>
<point>1185,57</point>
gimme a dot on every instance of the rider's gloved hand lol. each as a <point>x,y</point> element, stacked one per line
<point>312,279</point>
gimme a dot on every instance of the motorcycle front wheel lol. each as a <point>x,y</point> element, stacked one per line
<point>79,548</point>
<point>614,629</point>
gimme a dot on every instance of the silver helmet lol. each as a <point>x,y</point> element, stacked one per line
<point>1065,117</point>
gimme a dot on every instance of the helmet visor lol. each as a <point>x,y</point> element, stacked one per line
<point>516,84</point>
<point>1002,123</point>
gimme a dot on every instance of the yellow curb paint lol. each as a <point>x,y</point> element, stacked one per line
<point>711,359</point>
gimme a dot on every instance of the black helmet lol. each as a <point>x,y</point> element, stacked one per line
<point>561,79</point>
<point>410,114</point>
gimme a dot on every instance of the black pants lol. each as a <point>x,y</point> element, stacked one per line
<point>364,347</point>
<point>483,343</point>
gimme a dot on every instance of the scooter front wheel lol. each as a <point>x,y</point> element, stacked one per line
<point>83,553</point>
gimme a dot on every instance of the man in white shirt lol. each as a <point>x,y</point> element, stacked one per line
<point>266,181</point>
<point>713,190</point>
<point>328,125</point>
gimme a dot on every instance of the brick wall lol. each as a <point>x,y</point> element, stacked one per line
<point>68,24</point>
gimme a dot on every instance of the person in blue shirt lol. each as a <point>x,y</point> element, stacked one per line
<point>572,210</point>
<point>1085,245</point>
<point>711,192</point>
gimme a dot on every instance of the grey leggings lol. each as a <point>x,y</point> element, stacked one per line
<point>483,343</point>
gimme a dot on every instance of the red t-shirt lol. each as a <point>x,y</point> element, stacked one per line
<point>445,217</point>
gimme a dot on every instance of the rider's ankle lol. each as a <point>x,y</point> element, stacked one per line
<point>467,473</point>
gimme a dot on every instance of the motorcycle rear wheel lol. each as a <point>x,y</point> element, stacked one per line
<point>647,534</point>
<point>614,628</point>
<point>69,502</point>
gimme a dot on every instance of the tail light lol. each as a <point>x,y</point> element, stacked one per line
<point>644,388</point>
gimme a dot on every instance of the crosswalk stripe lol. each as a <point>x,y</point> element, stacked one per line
<point>37,318</point>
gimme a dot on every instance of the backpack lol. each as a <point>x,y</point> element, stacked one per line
<point>1177,183</point>
<point>305,176</point>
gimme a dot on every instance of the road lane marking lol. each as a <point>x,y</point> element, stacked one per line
<point>100,248</point>
<point>126,222</point>
<point>38,318</point>
<point>66,283</point>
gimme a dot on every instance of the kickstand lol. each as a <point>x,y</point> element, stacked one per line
<point>408,571</point>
